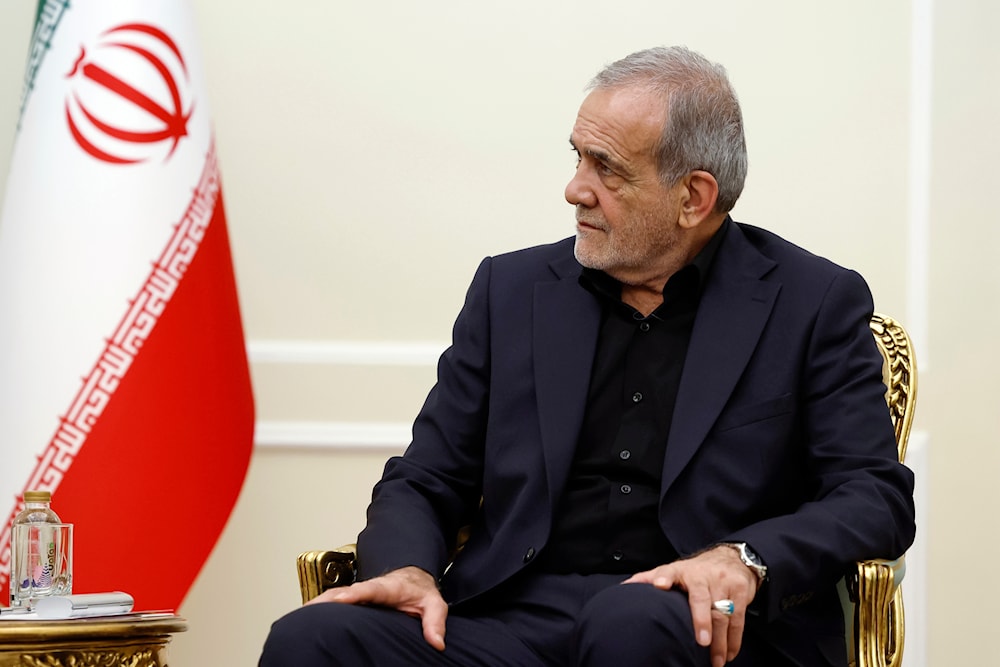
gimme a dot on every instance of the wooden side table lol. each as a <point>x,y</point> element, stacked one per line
<point>133,640</point>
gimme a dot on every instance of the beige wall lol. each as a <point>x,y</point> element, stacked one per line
<point>372,153</point>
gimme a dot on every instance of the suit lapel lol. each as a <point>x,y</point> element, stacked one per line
<point>734,309</point>
<point>566,322</point>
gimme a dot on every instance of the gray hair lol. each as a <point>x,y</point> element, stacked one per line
<point>704,128</point>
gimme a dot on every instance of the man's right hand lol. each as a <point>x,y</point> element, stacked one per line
<point>409,589</point>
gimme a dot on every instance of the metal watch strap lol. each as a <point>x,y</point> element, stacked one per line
<point>749,558</point>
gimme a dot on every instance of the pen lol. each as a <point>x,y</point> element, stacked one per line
<point>18,614</point>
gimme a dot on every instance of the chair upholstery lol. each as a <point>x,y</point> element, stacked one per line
<point>872,594</point>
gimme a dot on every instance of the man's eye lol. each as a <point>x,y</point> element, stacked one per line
<point>606,170</point>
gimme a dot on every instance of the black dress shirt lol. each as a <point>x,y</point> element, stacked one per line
<point>608,520</point>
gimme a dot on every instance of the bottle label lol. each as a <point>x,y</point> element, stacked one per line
<point>41,562</point>
<point>41,567</point>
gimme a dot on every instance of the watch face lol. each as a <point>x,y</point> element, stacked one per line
<point>749,558</point>
<point>752,560</point>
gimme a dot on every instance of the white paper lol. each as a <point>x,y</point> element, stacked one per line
<point>73,606</point>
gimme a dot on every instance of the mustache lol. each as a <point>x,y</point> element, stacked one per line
<point>590,218</point>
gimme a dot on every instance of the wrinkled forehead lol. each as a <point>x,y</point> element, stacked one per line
<point>625,121</point>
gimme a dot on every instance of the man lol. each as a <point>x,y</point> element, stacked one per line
<point>668,435</point>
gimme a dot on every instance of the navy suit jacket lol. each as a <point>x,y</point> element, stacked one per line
<point>780,434</point>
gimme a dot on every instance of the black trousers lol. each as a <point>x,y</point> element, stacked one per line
<point>538,620</point>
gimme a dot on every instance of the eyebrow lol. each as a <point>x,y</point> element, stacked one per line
<point>601,156</point>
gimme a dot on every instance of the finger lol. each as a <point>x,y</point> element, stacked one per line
<point>662,577</point>
<point>720,638</point>
<point>737,624</point>
<point>645,577</point>
<point>363,591</point>
<point>700,601</point>
<point>727,635</point>
<point>734,634</point>
<point>432,619</point>
<point>380,591</point>
<point>325,596</point>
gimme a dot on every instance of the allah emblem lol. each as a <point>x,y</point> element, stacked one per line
<point>128,99</point>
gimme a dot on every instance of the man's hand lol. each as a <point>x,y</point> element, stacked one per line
<point>716,574</point>
<point>409,589</point>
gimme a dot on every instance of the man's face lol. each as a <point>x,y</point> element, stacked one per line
<point>626,218</point>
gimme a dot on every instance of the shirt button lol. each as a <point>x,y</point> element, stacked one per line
<point>636,397</point>
<point>529,554</point>
<point>618,555</point>
<point>626,489</point>
<point>624,455</point>
<point>644,326</point>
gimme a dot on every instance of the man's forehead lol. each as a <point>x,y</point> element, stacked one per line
<point>621,122</point>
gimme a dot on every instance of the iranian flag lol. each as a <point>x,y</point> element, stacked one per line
<point>124,386</point>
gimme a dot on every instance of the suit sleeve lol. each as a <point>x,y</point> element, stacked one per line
<point>434,488</point>
<point>860,498</point>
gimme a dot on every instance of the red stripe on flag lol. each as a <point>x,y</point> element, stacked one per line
<point>162,468</point>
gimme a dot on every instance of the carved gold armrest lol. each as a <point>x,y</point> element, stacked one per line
<point>320,570</point>
<point>878,612</point>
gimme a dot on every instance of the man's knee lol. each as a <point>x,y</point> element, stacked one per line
<point>301,636</point>
<point>637,624</point>
<point>326,635</point>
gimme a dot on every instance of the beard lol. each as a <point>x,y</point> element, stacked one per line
<point>630,250</point>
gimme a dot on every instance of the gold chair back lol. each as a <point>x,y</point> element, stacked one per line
<point>878,619</point>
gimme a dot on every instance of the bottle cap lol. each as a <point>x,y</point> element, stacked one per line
<point>37,496</point>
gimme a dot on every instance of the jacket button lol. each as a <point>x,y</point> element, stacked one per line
<point>529,554</point>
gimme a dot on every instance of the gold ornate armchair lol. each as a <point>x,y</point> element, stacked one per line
<point>872,596</point>
<point>876,638</point>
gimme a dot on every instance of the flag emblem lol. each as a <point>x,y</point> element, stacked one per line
<point>128,100</point>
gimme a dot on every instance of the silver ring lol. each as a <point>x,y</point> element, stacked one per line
<point>725,606</point>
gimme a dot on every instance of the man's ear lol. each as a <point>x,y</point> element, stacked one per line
<point>702,192</point>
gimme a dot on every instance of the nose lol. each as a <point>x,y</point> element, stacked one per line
<point>579,192</point>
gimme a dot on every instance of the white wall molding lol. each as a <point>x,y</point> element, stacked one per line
<point>345,352</point>
<point>334,436</point>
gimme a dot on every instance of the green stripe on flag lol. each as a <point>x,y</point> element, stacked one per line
<point>47,19</point>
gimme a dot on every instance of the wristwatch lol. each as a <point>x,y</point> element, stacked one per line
<point>749,558</point>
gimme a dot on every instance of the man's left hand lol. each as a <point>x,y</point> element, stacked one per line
<point>716,574</point>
